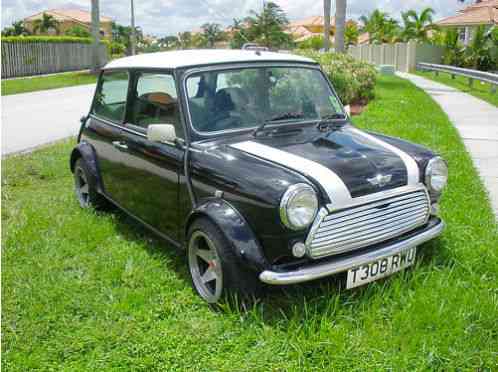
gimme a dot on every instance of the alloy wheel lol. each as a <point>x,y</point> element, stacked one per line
<point>205,267</point>
<point>82,187</point>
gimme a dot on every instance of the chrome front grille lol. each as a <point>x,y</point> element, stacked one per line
<point>367,224</point>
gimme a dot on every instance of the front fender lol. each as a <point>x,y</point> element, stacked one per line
<point>87,152</point>
<point>236,230</point>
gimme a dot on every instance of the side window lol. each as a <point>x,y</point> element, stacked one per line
<point>110,100</point>
<point>156,101</point>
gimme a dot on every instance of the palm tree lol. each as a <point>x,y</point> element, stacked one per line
<point>267,27</point>
<point>212,33</point>
<point>351,33</point>
<point>326,25</point>
<point>418,26</point>
<point>340,25</point>
<point>46,23</point>
<point>381,27</point>
<point>185,39</point>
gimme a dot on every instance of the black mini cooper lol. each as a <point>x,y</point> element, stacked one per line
<point>248,160</point>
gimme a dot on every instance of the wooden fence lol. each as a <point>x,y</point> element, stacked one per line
<point>26,59</point>
<point>403,56</point>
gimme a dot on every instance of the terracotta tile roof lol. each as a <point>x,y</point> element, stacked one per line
<point>483,13</point>
<point>60,15</point>
<point>311,21</point>
<point>364,38</point>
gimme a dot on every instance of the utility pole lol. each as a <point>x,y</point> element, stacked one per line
<point>326,25</point>
<point>340,25</point>
<point>133,38</point>
<point>96,37</point>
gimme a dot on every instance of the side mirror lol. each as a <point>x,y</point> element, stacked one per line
<point>347,108</point>
<point>161,133</point>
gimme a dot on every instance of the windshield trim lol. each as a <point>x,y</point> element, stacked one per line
<point>239,66</point>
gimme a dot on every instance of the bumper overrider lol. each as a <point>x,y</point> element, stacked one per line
<point>344,262</point>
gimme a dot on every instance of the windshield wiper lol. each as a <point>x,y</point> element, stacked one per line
<point>282,116</point>
<point>336,118</point>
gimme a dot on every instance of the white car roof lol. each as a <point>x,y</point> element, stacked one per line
<point>196,57</point>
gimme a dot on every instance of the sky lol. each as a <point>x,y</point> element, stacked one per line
<point>166,17</point>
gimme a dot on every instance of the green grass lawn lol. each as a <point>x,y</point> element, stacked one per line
<point>93,291</point>
<point>479,89</point>
<point>31,84</point>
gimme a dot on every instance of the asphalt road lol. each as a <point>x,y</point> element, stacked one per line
<point>30,120</point>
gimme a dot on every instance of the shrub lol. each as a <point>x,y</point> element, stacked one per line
<point>77,31</point>
<point>49,39</point>
<point>314,42</point>
<point>353,80</point>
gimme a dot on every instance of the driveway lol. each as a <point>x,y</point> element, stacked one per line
<point>33,119</point>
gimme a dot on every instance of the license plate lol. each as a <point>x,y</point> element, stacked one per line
<point>381,268</point>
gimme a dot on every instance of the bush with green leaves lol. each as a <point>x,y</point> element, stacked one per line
<point>353,80</point>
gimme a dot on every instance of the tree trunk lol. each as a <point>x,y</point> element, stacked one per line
<point>326,25</point>
<point>340,25</point>
<point>96,36</point>
<point>133,39</point>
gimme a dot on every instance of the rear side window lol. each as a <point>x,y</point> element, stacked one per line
<point>110,100</point>
<point>155,101</point>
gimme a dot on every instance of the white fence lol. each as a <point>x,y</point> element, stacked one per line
<point>403,56</point>
<point>26,59</point>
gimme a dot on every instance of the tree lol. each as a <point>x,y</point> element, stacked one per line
<point>381,27</point>
<point>77,31</point>
<point>16,29</point>
<point>212,33</point>
<point>417,26</point>
<point>185,39</point>
<point>168,42</point>
<point>95,28</point>
<point>267,27</point>
<point>351,34</point>
<point>326,25</point>
<point>46,23</point>
<point>340,25</point>
<point>240,34</point>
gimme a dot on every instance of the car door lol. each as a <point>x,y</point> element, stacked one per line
<point>104,128</point>
<point>151,169</point>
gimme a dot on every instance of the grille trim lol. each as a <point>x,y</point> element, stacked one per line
<point>364,224</point>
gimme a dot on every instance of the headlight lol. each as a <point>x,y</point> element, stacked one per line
<point>436,175</point>
<point>298,206</point>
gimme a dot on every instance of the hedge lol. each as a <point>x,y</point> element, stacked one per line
<point>353,80</point>
<point>50,39</point>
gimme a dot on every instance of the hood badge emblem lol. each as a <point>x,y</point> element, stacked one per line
<point>380,179</point>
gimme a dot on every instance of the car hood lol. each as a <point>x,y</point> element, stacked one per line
<point>344,163</point>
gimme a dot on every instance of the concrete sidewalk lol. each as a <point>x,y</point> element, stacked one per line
<point>477,123</point>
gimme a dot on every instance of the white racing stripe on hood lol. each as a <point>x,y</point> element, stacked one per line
<point>335,188</point>
<point>413,173</point>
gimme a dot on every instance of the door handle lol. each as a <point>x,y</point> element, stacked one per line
<point>120,145</point>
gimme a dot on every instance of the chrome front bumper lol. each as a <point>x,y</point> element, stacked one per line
<point>341,264</point>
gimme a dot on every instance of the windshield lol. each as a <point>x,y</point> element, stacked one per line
<point>247,97</point>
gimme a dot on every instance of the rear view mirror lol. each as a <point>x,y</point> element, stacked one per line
<point>347,108</point>
<point>161,133</point>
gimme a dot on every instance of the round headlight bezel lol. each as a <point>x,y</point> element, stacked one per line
<point>429,173</point>
<point>288,197</point>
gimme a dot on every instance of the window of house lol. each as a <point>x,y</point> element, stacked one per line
<point>110,99</point>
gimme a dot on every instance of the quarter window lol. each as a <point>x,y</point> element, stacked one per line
<point>155,101</point>
<point>110,100</point>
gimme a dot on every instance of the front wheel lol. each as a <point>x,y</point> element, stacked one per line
<point>215,270</point>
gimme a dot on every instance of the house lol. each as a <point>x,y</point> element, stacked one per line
<point>308,27</point>
<point>481,13</point>
<point>69,18</point>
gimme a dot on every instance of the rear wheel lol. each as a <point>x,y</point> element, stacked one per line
<point>215,270</point>
<point>84,187</point>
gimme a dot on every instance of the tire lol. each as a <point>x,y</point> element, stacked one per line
<point>84,187</point>
<point>217,273</point>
